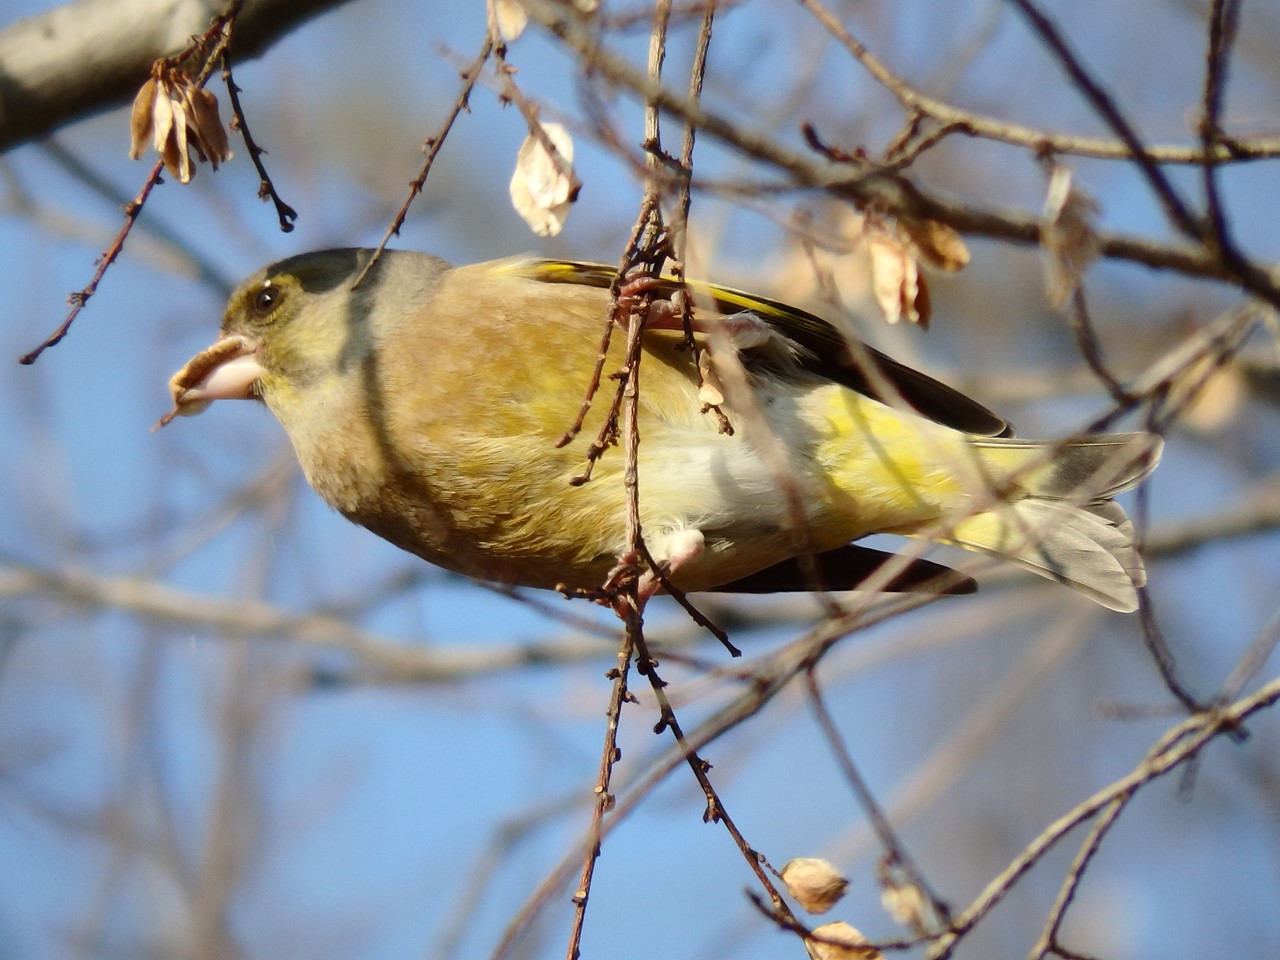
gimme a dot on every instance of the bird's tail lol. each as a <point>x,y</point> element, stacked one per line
<point>1060,521</point>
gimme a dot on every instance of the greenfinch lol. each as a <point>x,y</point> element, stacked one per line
<point>427,403</point>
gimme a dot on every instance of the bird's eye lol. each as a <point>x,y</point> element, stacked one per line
<point>266,300</point>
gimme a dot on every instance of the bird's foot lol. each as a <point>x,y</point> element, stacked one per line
<point>648,573</point>
<point>663,312</point>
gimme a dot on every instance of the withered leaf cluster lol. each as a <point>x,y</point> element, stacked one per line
<point>179,119</point>
<point>896,250</point>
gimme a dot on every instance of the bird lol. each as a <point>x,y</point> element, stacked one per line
<point>429,403</point>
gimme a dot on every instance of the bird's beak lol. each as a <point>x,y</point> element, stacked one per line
<point>227,370</point>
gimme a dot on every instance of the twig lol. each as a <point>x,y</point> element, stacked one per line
<point>529,110</point>
<point>950,119</point>
<point>680,216</point>
<point>1048,941</point>
<point>1091,348</point>
<point>895,851</point>
<point>1175,209</point>
<point>677,233</point>
<point>604,799</point>
<point>81,297</point>
<point>680,597</point>
<point>432,147</point>
<point>625,595</point>
<point>625,599</point>
<point>604,439</point>
<point>1152,636</point>
<point>1259,651</point>
<point>221,29</point>
<point>1223,21</point>
<point>1154,639</point>
<point>882,187</point>
<point>266,189</point>
<point>1179,745</point>
<point>715,811</point>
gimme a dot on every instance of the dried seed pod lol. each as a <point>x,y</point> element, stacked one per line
<point>839,941</point>
<point>543,187</point>
<point>197,373</point>
<point>816,884</point>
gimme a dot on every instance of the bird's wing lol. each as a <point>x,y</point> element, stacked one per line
<point>819,348</point>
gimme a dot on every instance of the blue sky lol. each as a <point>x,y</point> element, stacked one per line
<point>151,768</point>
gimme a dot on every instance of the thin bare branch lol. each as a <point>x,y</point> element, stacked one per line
<point>1178,746</point>
<point>946,119</point>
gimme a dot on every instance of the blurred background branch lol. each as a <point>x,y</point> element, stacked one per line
<point>77,59</point>
<point>233,725</point>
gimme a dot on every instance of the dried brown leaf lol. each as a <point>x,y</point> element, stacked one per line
<point>896,282</point>
<point>542,185</point>
<point>161,120</point>
<point>142,118</point>
<point>508,18</point>
<point>179,118</point>
<point>210,134</point>
<point>935,243</point>
<point>178,139</point>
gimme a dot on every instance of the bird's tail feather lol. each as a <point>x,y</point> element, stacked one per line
<point>1086,469</point>
<point>1065,526</point>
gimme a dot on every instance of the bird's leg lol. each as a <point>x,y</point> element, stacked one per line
<point>675,550</point>
<point>744,329</point>
<point>627,568</point>
<point>662,313</point>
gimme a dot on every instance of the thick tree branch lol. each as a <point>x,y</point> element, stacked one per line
<point>91,55</point>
